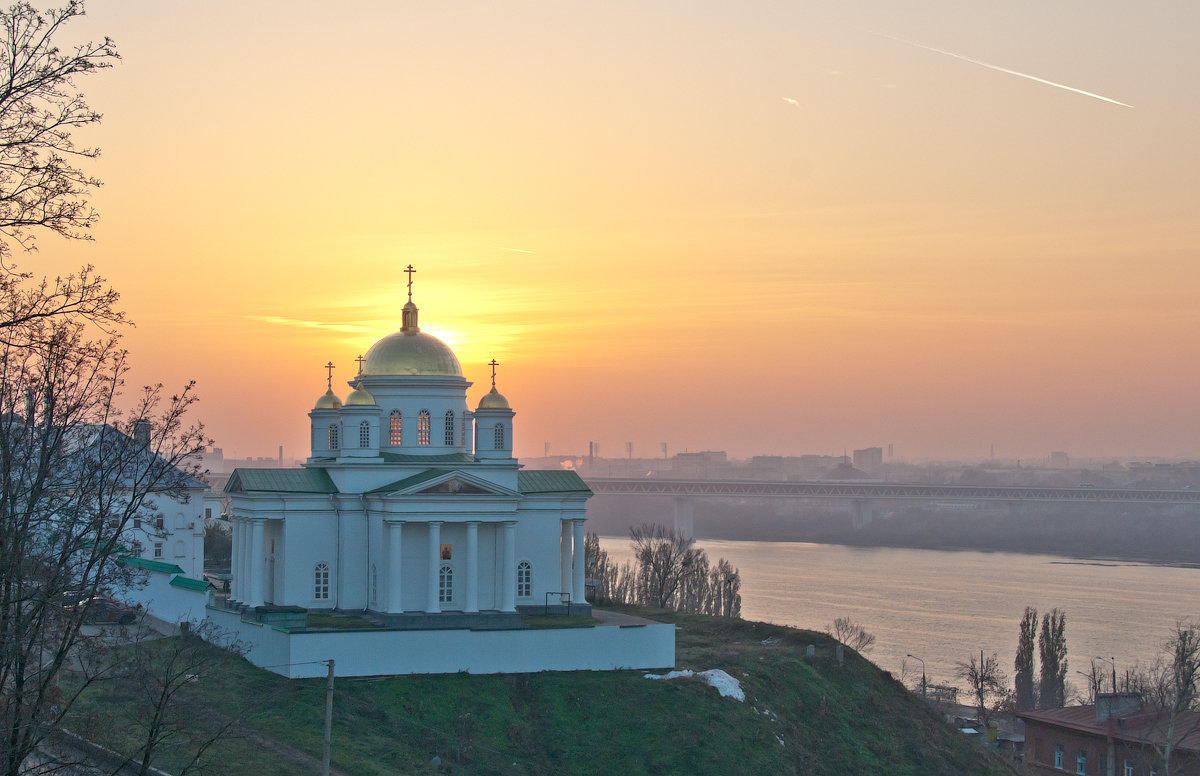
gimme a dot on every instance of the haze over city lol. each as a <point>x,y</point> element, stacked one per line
<point>749,227</point>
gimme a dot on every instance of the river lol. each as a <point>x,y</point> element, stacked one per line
<point>944,606</point>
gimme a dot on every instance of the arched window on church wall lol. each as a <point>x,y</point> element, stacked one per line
<point>333,437</point>
<point>499,436</point>
<point>364,434</point>
<point>321,581</point>
<point>395,424</point>
<point>423,428</point>
<point>524,579</point>
<point>445,585</point>
<point>449,438</point>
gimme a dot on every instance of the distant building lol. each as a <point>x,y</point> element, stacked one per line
<point>1059,460</point>
<point>1114,737</point>
<point>705,457</point>
<point>869,458</point>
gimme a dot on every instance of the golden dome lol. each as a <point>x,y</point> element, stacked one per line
<point>493,400</point>
<point>328,401</point>
<point>411,352</point>
<point>360,397</point>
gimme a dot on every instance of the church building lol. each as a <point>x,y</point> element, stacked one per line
<point>412,512</point>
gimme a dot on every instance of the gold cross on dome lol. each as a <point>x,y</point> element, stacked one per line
<point>329,379</point>
<point>493,364</point>
<point>410,272</point>
<point>360,361</point>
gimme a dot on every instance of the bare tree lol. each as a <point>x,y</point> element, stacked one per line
<point>662,557</point>
<point>1170,688</point>
<point>986,681</point>
<point>41,188</point>
<point>154,682</point>
<point>72,478</point>
<point>852,634</point>
<point>1052,653</point>
<point>724,588</point>
<point>1023,664</point>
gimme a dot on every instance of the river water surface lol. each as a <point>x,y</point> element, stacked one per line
<point>944,605</point>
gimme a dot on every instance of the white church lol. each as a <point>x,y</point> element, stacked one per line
<point>412,514</point>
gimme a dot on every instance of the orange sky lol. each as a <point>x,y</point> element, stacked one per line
<point>741,226</point>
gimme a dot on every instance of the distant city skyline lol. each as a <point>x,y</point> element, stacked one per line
<point>749,227</point>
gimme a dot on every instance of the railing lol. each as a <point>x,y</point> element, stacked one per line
<point>563,598</point>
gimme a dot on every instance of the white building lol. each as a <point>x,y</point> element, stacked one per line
<point>412,509</point>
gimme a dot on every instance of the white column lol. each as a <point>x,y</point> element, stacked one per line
<point>238,568</point>
<point>247,553</point>
<point>577,592</point>
<point>435,563</point>
<point>395,601</point>
<point>472,566</point>
<point>508,579</point>
<point>564,557</point>
<point>256,562</point>
<point>235,573</point>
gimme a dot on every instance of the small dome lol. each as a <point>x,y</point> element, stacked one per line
<point>328,401</point>
<point>411,353</point>
<point>493,400</point>
<point>360,397</point>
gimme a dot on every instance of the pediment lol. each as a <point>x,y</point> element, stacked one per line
<point>443,482</point>
<point>454,485</point>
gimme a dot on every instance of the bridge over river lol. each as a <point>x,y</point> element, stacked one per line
<point>861,494</point>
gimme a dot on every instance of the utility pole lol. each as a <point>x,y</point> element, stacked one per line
<point>328,718</point>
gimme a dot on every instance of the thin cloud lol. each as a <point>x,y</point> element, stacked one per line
<point>790,101</point>
<point>510,250</point>
<point>345,328</point>
<point>1005,70</point>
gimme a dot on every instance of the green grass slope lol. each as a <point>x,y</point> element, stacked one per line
<point>799,717</point>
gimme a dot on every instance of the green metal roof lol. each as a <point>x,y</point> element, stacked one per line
<point>551,481</point>
<point>187,583</point>
<point>408,482</point>
<point>419,459</point>
<point>151,565</point>
<point>280,481</point>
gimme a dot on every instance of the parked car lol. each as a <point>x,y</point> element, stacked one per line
<point>106,610</point>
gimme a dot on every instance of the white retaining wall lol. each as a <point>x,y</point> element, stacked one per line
<point>387,652</point>
<point>160,598</point>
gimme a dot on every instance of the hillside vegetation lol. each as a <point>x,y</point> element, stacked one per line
<point>799,717</point>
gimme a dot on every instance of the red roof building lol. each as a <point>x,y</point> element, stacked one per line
<point>1115,737</point>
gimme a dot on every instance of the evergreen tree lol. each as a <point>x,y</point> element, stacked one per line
<point>1023,681</point>
<point>1052,651</point>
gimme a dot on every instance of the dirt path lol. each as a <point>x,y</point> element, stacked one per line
<point>303,761</point>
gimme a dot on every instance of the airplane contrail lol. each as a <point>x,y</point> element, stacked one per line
<point>1005,70</point>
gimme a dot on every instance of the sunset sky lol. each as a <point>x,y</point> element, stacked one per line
<point>759,227</point>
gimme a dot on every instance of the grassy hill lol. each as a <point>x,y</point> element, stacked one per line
<point>799,717</point>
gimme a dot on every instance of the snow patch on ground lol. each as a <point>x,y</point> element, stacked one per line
<point>725,684</point>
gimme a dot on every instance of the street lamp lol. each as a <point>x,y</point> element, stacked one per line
<point>914,657</point>
<point>1112,660</point>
